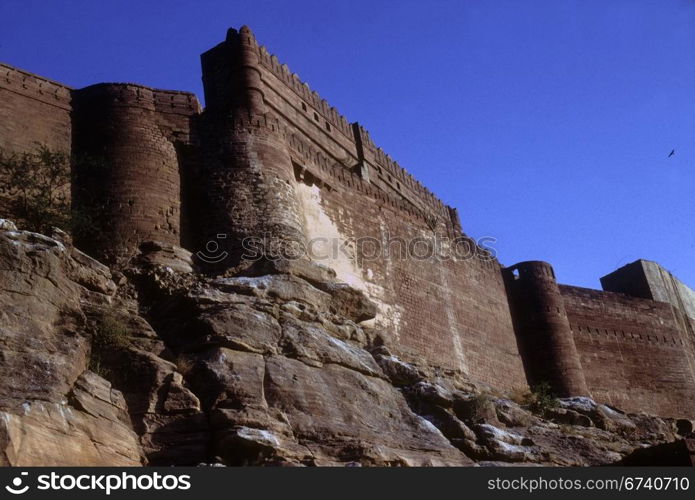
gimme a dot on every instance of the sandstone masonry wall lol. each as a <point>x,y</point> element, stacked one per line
<point>452,314</point>
<point>33,110</point>
<point>268,157</point>
<point>632,351</point>
<point>647,279</point>
<point>246,170</point>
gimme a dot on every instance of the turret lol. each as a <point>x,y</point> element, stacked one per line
<point>231,73</point>
<point>542,328</point>
<point>126,178</point>
<point>247,173</point>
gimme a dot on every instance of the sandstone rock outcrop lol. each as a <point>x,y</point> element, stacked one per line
<point>156,364</point>
<point>53,409</point>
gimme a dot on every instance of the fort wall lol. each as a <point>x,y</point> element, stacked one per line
<point>448,313</point>
<point>452,313</point>
<point>247,172</point>
<point>632,351</point>
<point>647,279</point>
<point>269,157</point>
<point>35,110</point>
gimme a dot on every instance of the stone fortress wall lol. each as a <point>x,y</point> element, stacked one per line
<point>269,156</point>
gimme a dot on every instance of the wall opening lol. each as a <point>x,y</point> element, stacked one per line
<point>298,172</point>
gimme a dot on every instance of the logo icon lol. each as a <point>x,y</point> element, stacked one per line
<point>212,247</point>
<point>16,488</point>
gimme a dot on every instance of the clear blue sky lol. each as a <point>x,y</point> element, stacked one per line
<point>547,122</point>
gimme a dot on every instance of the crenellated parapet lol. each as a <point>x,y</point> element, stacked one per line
<point>141,96</point>
<point>388,175</point>
<point>304,91</point>
<point>334,175</point>
<point>391,176</point>
<point>173,101</point>
<point>35,87</point>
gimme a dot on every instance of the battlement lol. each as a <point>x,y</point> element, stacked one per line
<point>387,169</point>
<point>347,179</point>
<point>302,89</point>
<point>402,178</point>
<point>35,87</point>
<point>135,95</point>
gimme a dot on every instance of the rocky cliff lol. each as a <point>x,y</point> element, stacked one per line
<point>157,364</point>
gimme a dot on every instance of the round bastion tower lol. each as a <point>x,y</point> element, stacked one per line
<point>127,172</point>
<point>543,331</point>
<point>246,170</point>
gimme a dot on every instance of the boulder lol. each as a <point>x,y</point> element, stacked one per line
<point>505,445</point>
<point>513,415</point>
<point>7,225</point>
<point>349,302</point>
<point>314,345</point>
<point>603,416</point>
<point>155,253</point>
<point>333,407</point>
<point>475,409</point>
<point>235,326</point>
<point>399,372</point>
<point>310,271</point>
<point>567,416</point>
<point>89,428</point>
<point>42,325</point>
<point>283,288</point>
<point>179,399</point>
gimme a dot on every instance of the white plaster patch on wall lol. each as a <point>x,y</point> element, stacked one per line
<point>318,225</point>
<point>389,318</point>
<point>459,357</point>
<point>390,315</point>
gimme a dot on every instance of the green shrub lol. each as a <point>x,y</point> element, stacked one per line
<point>542,398</point>
<point>110,338</point>
<point>37,185</point>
